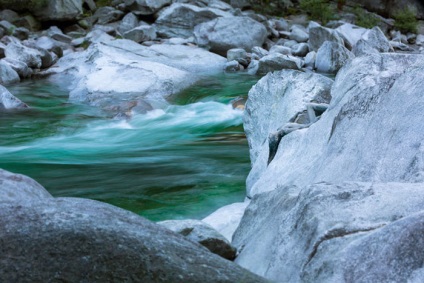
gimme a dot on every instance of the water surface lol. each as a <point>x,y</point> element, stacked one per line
<point>183,161</point>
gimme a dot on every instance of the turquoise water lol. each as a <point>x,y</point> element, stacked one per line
<point>184,161</point>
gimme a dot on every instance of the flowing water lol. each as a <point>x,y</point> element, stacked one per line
<point>184,161</point>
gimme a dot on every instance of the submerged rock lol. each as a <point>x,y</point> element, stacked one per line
<point>74,240</point>
<point>200,232</point>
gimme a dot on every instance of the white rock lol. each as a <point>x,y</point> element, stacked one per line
<point>331,57</point>
<point>7,74</point>
<point>299,34</point>
<point>226,219</point>
<point>350,34</point>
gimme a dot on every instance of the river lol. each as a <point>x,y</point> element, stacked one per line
<point>183,161</point>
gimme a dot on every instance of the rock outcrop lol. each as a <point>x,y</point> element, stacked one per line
<point>74,240</point>
<point>305,222</point>
<point>349,232</point>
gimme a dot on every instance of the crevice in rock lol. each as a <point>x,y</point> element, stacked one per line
<point>314,112</point>
<point>337,233</point>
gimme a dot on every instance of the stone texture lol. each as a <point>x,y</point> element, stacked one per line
<point>146,7</point>
<point>226,219</point>
<point>318,35</point>
<point>361,137</point>
<point>276,62</point>
<point>331,57</point>
<point>298,33</point>
<point>224,33</point>
<point>179,20</point>
<point>141,33</point>
<point>75,240</point>
<point>8,181</point>
<point>200,232</point>
<point>19,67</point>
<point>129,22</point>
<point>29,56</point>
<point>347,232</point>
<point>48,10</point>
<point>350,34</point>
<point>376,39</point>
<point>7,74</point>
<point>135,73</point>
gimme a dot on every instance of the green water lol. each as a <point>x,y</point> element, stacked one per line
<point>184,161</point>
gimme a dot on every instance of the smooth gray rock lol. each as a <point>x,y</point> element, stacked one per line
<point>8,15</point>
<point>277,99</point>
<point>224,33</point>
<point>239,55</point>
<point>280,49</point>
<point>310,60</point>
<point>276,62</point>
<point>226,219</point>
<point>318,35</point>
<point>298,33</point>
<point>17,188</point>
<point>51,45</point>
<point>56,33</point>
<point>146,7</point>
<point>47,10</point>
<point>233,66</point>
<point>347,232</point>
<point>129,22</point>
<point>105,15</point>
<point>19,67</point>
<point>179,20</point>
<point>29,56</point>
<point>380,93</point>
<point>331,57</point>
<point>135,74</point>
<point>8,181</point>
<point>300,49</point>
<point>281,25</point>
<point>376,39</point>
<point>363,47</point>
<point>202,233</point>
<point>75,240</point>
<point>350,34</point>
<point>141,33</point>
<point>7,74</point>
<point>420,39</point>
<point>259,51</point>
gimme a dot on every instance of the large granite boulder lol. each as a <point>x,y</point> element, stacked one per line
<point>278,99</point>
<point>331,56</point>
<point>224,33</point>
<point>135,74</point>
<point>9,101</point>
<point>76,240</point>
<point>178,20</point>
<point>47,10</point>
<point>204,234</point>
<point>372,130</point>
<point>347,232</point>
